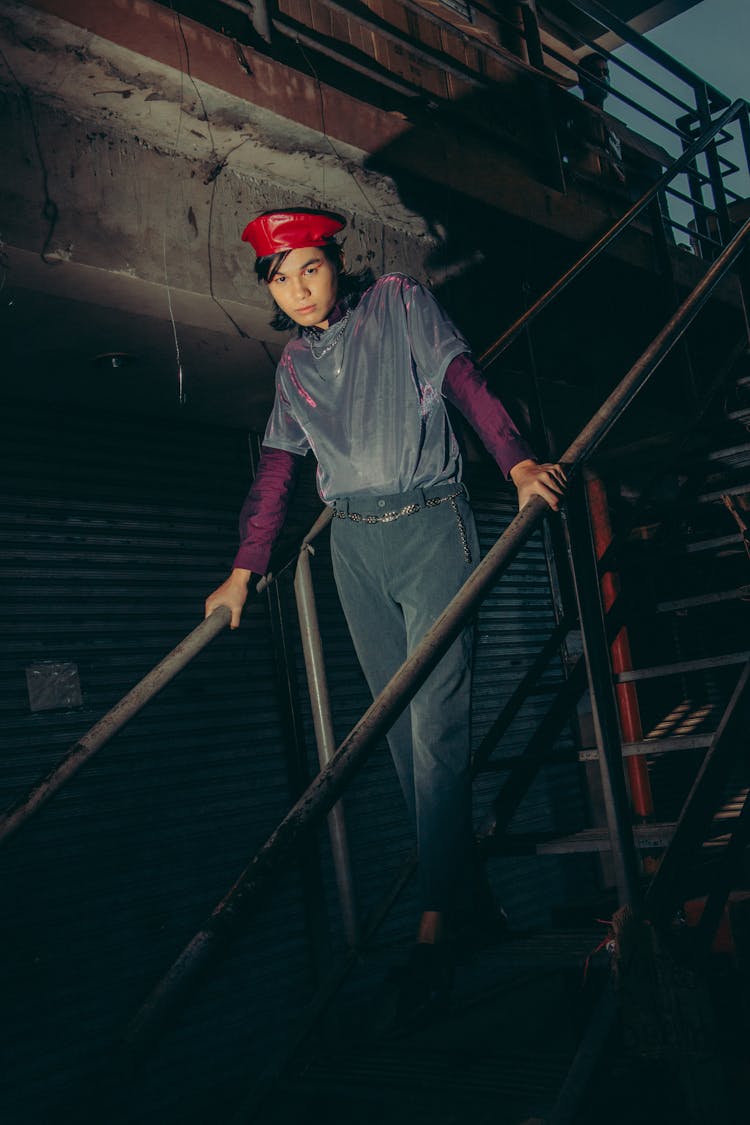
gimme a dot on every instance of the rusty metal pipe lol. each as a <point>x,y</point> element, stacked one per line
<point>145,690</point>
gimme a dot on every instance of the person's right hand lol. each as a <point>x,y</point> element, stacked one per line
<point>232,593</point>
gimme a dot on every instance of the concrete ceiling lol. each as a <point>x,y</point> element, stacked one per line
<point>128,181</point>
<point>128,184</point>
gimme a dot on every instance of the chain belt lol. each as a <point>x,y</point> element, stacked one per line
<point>409,510</point>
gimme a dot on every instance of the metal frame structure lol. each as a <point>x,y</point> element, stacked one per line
<point>339,767</point>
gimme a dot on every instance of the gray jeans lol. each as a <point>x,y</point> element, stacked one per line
<point>394,580</point>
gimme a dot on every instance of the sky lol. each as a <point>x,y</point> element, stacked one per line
<point>713,39</point>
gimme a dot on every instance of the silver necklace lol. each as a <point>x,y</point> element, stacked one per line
<point>333,340</point>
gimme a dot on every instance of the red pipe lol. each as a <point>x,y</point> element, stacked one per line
<point>627,695</point>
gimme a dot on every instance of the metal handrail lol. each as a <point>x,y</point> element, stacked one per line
<point>136,699</point>
<point>512,333</point>
<point>255,881</point>
<point>623,31</point>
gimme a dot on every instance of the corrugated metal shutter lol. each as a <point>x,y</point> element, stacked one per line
<point>112,534</point>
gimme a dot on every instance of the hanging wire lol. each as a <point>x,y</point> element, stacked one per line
<point>181,396</point>
<point>50,211</point>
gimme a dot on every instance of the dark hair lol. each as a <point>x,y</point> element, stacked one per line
<point>350,289</point>
<point>585,64</point>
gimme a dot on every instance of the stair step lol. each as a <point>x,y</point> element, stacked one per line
<point>586,841</point>
<point>731,453</point>
<point>681,667</point>
<point>740,489</point>
<point>591,754</point>
<point>675,548</point>
<point>713,544</point>
<point>696,600</point>
<point>597,839</point>
<point>646,836</point>
<point>654,746</point>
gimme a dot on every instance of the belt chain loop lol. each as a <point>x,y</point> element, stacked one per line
<point>461,530</point>
<point>409,510</point>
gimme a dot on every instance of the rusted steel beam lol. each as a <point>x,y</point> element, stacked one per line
<point>115,719</point>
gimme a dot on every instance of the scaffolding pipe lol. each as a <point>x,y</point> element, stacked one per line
<point>325,790</point>
<point>86,746</point>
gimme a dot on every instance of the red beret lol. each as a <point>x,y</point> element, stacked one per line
<point>275,231</point>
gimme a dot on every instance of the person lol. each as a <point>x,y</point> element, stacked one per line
<point>363,384</point>
<point>593,79</point>
<point>594,147</point>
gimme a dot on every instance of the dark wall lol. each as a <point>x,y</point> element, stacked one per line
<point>114,530</point>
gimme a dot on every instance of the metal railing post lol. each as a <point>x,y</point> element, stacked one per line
<point>323,724</point>
<point>714,168</point>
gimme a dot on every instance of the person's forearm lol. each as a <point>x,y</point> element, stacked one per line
<point>264,511</point>
<point>466,388</point>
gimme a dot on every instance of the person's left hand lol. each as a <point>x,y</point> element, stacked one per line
<point>533,479</point>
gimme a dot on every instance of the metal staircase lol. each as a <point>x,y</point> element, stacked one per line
<point>681,552</point>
